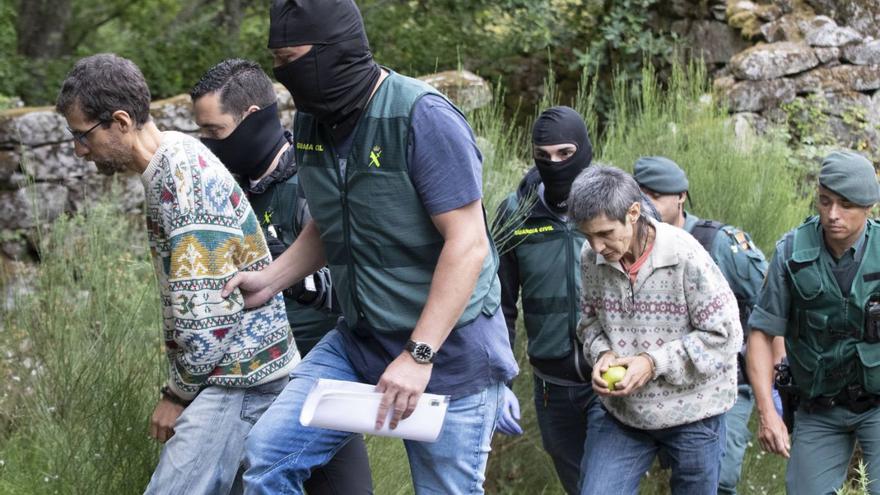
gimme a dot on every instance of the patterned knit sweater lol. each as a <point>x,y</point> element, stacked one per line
<point>682,313</point>
<point>202,231</point>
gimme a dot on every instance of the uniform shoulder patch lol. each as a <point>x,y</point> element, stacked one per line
<point>740,241</point>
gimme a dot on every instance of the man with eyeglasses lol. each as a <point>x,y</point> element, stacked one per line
<point>226,364</point>
<point>81,137</point>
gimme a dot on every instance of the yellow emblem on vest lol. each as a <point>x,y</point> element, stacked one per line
<point>309,147</point>
<point>375,153</point>
<point>267,217</point>
<point>535,230</point>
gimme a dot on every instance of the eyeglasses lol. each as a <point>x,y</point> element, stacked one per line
<point>80,137</point>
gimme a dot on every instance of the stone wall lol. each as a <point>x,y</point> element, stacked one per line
<point>807,73</point>
<point>41,178</point>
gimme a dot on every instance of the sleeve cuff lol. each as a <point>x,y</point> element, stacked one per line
<point>767,323</point>
<point>662,361</point>
<point>180,393</point>
<point>596,349</point>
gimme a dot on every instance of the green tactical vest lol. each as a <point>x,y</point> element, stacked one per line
<point>548,254</point>
<point>379,241</point>
<point>280,208</point>
<point>824,334</point>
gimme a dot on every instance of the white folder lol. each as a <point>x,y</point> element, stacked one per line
<point>352,406</point>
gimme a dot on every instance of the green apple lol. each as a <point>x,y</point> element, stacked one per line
<point>613,375</point>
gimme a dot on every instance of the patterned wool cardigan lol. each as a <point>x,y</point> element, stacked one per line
<point>202,231</point>
<point>682,313</point>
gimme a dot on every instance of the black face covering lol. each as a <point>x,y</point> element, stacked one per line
<point>334,80</point>
<point>561,125</point>
<point>253,145</point>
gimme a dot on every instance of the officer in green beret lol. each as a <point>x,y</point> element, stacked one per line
<point>743,266</point>
<point>822,295</point>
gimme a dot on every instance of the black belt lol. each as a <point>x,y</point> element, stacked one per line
<point>852,397</point>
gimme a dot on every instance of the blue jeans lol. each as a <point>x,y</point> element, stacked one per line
<point>738,436</point>
<point>822,445</point>
<point>206,452</point>
<point>280,452</point>
<point>616,456</point>
<point>562,419</point>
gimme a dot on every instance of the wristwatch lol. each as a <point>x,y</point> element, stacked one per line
<point>420,351</point>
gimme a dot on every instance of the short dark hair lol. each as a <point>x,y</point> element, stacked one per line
<point>102,84</point>
<point>241,83</point>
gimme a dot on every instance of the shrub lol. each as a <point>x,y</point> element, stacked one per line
<point>92,327</point>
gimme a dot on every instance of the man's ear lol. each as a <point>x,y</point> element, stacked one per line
<point>121,117</point>
<point>682,198</point>
<point>251,109</point>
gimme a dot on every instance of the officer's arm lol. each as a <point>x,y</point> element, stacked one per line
<point>465,246</point>
<point>772,432</point>
<point>769,322</point>
<point>759,366</point>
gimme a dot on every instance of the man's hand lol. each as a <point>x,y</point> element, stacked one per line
<point>509,422</point>
<point>402,384</point>
<point>164,417</point>
<point>253,286</point>
<point>773,434</point>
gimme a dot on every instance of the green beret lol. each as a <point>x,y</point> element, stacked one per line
<point>850,175</point>
<point>660,174</point>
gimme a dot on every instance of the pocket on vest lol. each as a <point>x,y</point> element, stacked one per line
<point>808,281</point>
<point>808,370</point>
<point>869,355</point>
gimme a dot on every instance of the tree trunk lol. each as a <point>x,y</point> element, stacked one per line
<point>232,16</point>
<point>41,27</point>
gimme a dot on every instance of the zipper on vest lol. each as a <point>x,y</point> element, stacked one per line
<point>569,279</point>
<point>346,236</point>
<point>573,301</point>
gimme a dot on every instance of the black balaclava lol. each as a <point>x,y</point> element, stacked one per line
<point>334,80</point>
<point>253,145</point>
<point>559,125</point>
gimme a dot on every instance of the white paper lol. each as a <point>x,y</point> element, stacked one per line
<point>353,406</point>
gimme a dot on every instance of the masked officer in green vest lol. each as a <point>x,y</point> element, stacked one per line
<point>392,176</point>
<point>235,107</point>
<point>541,264</point>
<point>822,295</point>
<point>743,266</point>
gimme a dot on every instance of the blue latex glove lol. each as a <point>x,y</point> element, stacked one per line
<point>508,423</point>
<point>777,401</point>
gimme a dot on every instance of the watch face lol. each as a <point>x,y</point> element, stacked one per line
<point>422,352</point>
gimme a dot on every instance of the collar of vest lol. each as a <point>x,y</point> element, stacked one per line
<point>808,241</point>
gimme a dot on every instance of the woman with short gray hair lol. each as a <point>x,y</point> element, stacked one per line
<point>655,305</point>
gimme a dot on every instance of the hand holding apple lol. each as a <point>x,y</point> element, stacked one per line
<point>639,371</point>
<point>605,361</point>
<point>613,375</point>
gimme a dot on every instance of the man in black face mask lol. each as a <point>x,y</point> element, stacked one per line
<point>541,262</point>
<point>234,105</point>
<point>392,175</point>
